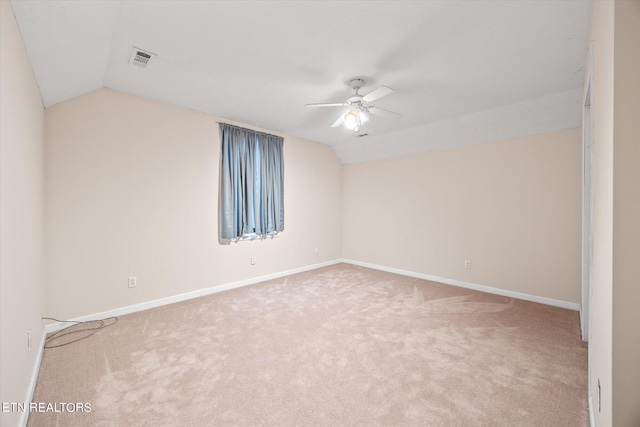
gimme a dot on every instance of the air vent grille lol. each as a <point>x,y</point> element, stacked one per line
<point>140,58</point>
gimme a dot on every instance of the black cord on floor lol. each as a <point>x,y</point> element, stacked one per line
<point>89,330</point>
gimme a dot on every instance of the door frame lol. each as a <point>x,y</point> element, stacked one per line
<point>587,197</point>
<point>587,218</point>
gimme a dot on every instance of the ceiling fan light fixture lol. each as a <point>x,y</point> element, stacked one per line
<point>364,116</point>
<point>351,118</point>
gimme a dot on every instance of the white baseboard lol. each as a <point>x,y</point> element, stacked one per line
<point>24,417</point>
<point>482,288</point>
<point>52,327</point>
<point>592,415</point>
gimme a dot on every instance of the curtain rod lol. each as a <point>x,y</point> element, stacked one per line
<point>253,130</point>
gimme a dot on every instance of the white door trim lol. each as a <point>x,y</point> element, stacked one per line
<point>587,218</point>
<point>587,196</point>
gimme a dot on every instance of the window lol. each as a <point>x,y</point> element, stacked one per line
<point>251,184</point>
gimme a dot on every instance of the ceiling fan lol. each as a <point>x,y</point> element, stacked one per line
<point>359,108</point>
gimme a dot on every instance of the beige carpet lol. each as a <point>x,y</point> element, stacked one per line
<point>336,346</point>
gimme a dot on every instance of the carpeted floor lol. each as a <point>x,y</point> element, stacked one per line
<point>337,346</point>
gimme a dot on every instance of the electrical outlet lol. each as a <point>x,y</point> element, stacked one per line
<point>253,260</point>
<point>133,281</point>
<point>316,250</point>
<point>372,249</point>
<point>29,340</point>
<point>467,264</point>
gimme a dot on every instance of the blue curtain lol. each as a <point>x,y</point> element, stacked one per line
<point>251,183</point>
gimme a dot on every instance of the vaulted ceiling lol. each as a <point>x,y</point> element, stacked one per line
<point>463,72</point>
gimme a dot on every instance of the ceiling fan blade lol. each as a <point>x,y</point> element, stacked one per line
<point>338,122</point>
<point>378,93</point>
<point>385,113</point>
<point>324,105</point>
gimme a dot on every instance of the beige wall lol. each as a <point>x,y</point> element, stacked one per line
<point>626,215</point>
<point>615,342</point>
<point>510,207</point>
<point>602,276</point>
<point>21,216</point>
<point>132,190</point>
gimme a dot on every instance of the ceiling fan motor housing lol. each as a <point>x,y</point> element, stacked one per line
<point>356,99</point>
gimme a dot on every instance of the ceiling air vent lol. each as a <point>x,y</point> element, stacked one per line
<point>141,57</point>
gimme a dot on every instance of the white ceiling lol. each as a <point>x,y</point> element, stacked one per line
<point>463,71</point>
